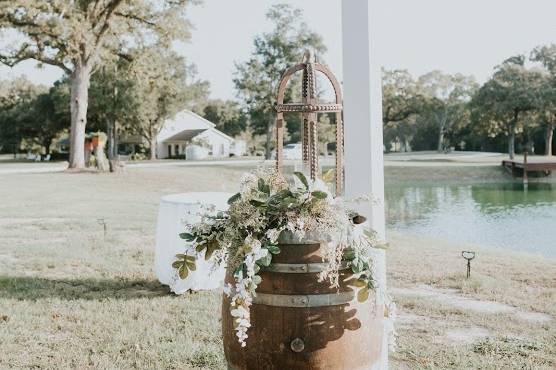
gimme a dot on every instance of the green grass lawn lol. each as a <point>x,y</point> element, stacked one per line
<point>74,298</point>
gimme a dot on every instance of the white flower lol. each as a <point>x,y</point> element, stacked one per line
<point>319,185</point>
<point>239,312</point>
<point>273,234</point>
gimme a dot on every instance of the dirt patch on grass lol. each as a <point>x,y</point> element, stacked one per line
<point>465,335</point>
<point>452,298</point>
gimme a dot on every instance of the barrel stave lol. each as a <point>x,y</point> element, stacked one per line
<point>338,337</point>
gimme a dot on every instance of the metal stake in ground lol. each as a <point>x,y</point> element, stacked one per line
<point>468,256</point>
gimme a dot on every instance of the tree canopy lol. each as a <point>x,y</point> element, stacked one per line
<point>256,80</point>
<point>76,35</point>
<point>228,116</point>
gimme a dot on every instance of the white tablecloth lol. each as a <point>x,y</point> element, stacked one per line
<point>175,211</point>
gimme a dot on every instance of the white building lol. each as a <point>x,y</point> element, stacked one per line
<point>191,136</point>
<point>188,129</point>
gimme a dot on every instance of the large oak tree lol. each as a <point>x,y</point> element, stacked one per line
<point>446,98</point>
<point>76,35</point>
<point>500,104</point>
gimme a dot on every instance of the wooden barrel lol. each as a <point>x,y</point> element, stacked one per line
<point>299,323</point>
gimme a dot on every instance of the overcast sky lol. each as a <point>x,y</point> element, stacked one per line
<point>466,36</point>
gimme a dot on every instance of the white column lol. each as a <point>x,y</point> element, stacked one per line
<point>364,161</point>
<point>362,87</point>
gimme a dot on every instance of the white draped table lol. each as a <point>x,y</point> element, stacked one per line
<point>175,211</point>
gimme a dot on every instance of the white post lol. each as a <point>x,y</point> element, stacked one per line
<point>362,87</point>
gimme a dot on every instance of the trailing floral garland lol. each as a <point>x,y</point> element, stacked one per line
<point>245,237</point>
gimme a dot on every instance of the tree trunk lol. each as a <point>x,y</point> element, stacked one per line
<point>441,132</point>
<point>111,133</point>
<point>152,144</point>
<point>549,134</point>
<point>511,142</point>
<point>47,143</point>
<point>78,106</point>
<point>440,147</point>
<point>269,126</point>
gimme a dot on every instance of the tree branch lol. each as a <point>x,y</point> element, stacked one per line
<point>25,53</point>
<point>107,13</point>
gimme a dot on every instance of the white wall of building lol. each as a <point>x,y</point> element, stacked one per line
<point>219,144</point>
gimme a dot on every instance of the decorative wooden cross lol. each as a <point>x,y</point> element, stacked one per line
<point>309,107</point>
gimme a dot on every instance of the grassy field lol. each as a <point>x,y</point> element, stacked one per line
<point>72,297</point>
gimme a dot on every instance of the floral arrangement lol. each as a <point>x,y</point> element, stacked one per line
<point>245,237</point>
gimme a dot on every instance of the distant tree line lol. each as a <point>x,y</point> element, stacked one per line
<point>123,78</point>
<point>516,106</point>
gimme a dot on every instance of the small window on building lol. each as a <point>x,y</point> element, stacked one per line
<point>177,147</point>
<point>169,150</point>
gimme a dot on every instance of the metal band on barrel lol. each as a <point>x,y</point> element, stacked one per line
<point>301,268</point>
<point>304,301</point>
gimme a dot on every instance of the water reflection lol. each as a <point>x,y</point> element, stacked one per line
<point>503,215</point>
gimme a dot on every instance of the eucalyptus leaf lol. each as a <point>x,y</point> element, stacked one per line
<point>187,237</point>
<point>274,249</point>
<point>319,194</point>
<point>257,203</point>
<point>303,179</point>
<point>349,255</point>
<point>234,198</point>
<point>260,184</point>
<point>265,261</point>
<point>257,279</point>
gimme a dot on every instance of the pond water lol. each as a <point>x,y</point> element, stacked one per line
<point>504,215</point>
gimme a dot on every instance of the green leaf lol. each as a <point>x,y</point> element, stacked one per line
<point>177,264</point>
<point>182,272</point>
<point>359,283</point>
<point>303,179</point>
<point>257,279</point>
<point>261,185</point>
<point>319,194</point>
<point>265,261</point>
<point>362,295</point>
<point>180,256</point>
<point>328,176</point>
<point>355,267</point>
<point>239,269</point>
<point>191,265</point>
<point>210,250</point>
<point>187,236</point>
<point>200,247</point>
<point>274,249</point>
<point>349,255</point>
<point>234,198</point>
<point>284,193</point>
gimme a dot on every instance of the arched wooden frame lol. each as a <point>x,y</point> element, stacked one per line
<point>309,109</point>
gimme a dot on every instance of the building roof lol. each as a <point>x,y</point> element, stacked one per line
<point>186,120</point>
<point>185,135</point>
